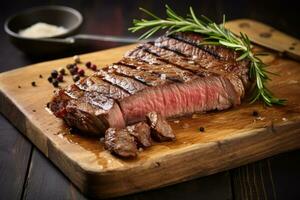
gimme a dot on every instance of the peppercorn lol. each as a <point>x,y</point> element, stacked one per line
<point>55,83</point>
<point>76,77</point>
<point>201,129</point>
<point>41,76</point>
<point>54,73</point>
<point>60,78</point>
<point>94,67</point>
<point>19,86</point>
<point>88,64</point>
<point>33,83</point>
<point>74,70</point>
<point>62,71</point>
<point>70,66</point>
<point>255,113</point>
<point>81,72</point>
<point>50,79</point>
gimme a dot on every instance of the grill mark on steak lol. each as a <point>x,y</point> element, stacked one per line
<point>94,98</point>
<point>94,83</point>
<point>178,61</point>
<point>184,40</point>
<point>178,53</point>
<point>220,51</point>
<point>205,59</point>
<point>164,71</point>
<point>141,59</point>
<point>144,77</point>
<point>127,84</point>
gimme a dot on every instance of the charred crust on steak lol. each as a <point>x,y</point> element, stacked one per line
<point>160,129</point>
<point>141,132</point>
<point>120,142</point>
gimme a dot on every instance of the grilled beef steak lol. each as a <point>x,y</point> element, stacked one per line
<point>160,129</point>
<point>126,141</point>
<point>173,76</point>
<point>120,142</point>
<point>141,133</point>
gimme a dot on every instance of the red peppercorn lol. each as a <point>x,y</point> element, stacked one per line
<point>88,64</point>
<point>80,72</point>
<point>94,67</point>
<point>60,78</point>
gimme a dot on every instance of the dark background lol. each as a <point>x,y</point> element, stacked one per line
<point>26,174</point>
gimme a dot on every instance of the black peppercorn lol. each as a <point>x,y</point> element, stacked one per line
<point>33,83</point>
<point>74,70</point>
<point>70,66</point>
<point>76,77</point>
<point>19,86</point>
<point>54,73</point>
<point>255,113</point>
<point>201,129</point>
<point>50,79</point>
<point>55,83</point>
<point>62,71</point>
<point>41,76</point>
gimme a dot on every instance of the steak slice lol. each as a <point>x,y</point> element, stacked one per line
<point>141,132</point>
<point>174,76</point>
<point>120,142</point>
<point>160,129</point>
<point>89,106</point>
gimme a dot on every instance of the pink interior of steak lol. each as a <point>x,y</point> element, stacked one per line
<point>178,99</point>
<point>173,76</point>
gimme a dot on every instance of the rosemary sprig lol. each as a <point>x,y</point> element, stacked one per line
<point>216,35</point>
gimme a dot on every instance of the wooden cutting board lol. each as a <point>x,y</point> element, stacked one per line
<point>232,138</point>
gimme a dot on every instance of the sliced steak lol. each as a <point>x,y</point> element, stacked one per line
<point>174,76</point>
<point>161,131</point>
<point>120,142</point>
<point>141,132</point>
<point>90,110</point>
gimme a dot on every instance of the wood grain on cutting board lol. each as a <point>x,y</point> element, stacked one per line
<point>231,138</point>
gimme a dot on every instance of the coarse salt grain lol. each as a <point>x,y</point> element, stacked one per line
<point>163,76</point>
<point>42,30</point>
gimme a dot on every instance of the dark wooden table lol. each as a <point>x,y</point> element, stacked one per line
<point>26,174</point>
